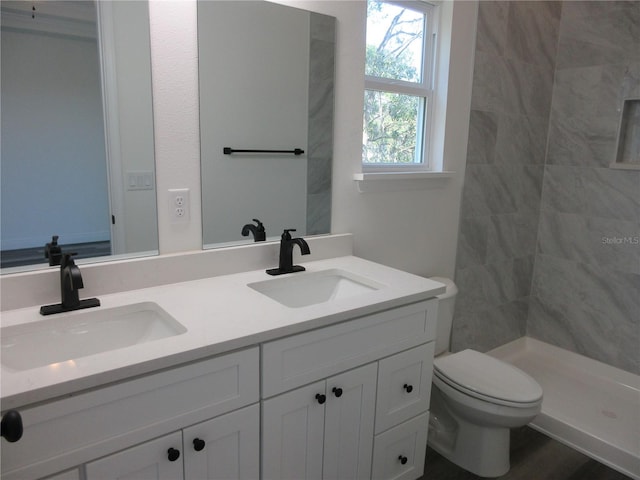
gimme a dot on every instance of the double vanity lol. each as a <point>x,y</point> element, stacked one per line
<point>318,374</point>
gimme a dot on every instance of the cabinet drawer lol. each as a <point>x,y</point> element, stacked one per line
<point>404,386</point>
<point>300,359</point>
<point>71,431</point>
<point>405,443</point>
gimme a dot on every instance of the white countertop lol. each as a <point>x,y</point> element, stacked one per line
<point>220,314</point>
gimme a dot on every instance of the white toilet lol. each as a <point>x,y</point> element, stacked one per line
<point>475,400</point>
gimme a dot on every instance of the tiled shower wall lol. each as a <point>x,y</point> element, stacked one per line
<point>583,293</point>
<point>586,285</point>
<point>510,105</point>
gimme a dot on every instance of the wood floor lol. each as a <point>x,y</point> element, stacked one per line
<point>534,456</point>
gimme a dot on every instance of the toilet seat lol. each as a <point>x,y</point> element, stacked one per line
<point>487,378</point>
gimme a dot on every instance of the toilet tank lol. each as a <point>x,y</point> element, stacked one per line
<point>446,304</point>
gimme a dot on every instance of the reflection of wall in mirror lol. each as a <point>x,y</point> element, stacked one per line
<point>131,45</point>
<point>54,176</point>
<point>53,159</point>
<point>253,95</point>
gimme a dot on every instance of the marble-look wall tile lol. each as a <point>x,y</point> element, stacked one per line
<point>511,101</point>
<point>487,91</point>
<point>520,139</point>
<point>605,242</point>
<point>598,33</point>
<point>489,190</point>
<point>483,131</point>
<point>511,236</point>
<point>492,27</point>
<point>594,192</point>
<point>587,309</point>
<point>489,327</point>
<point>318,175</point>
<point>526,88</point>
<point>472,241</point>
<point>320,123</point>
<point>319,213</point>
<point>585,140</point>
<point>498,283</point>
<point>532,32</point>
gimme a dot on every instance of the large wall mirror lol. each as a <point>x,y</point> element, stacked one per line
<point>266,83</point>
<point>77,157</point>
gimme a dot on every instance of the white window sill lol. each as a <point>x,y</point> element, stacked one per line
<point>388,181</point>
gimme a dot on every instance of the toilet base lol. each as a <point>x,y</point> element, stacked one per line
<point>479,449</point>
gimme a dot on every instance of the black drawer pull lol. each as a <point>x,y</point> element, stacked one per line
<point>321,398</point>
<point>408,388</point>
<point>403,459</point>
<point>337,391</point>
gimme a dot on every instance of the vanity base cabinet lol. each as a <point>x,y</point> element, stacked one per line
<point>226,447</point>
<point>322,430</point>
<point>380,366</point>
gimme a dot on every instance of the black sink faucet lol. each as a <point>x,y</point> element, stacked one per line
<point>70,283</point>
<point>286,253</point>
<point>259,234</point>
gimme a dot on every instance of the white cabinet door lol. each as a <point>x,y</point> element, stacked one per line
<point>154,460</point>
<point>292,434</point>
<point>349,418</point>
<point>227,447</point>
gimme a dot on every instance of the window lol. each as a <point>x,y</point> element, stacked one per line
<point>398,85</point>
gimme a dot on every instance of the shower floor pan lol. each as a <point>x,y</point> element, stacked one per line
<point>587,405</point>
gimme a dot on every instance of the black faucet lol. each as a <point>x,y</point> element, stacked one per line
<point>286,254</point>
<point>70,283</point>
<point>53,251</point>
<point>259,234</point>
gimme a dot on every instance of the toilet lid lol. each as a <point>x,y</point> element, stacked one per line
<point>481,374</point>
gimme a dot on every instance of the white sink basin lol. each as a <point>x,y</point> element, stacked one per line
<point>73,335</point>
<point>304,289</point>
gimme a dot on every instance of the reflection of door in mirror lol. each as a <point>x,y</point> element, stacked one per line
<point>266,83</point>
<point>59,174</point>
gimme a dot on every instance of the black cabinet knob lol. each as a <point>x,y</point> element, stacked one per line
<point>408,388</point>
<point>321,398</point>
<point>403,459</point>
<point>173,454</point>
<point>11,426</point>
<point>198,444</point>
<point>337,391</point>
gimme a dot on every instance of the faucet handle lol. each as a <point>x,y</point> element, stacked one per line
<point>53,251</point>
<point>286,235</point>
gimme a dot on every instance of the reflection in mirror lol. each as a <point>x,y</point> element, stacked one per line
<point>77,130</point>
<point>266,83</point>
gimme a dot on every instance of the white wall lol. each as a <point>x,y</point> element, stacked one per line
<point>415,230</point>
<point>266,64</point>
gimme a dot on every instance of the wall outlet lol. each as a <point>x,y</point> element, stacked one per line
<point>179,205</point>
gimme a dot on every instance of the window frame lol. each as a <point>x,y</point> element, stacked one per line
<point>425,90</point>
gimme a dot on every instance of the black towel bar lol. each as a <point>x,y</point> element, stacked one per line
<point>229,151</point>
